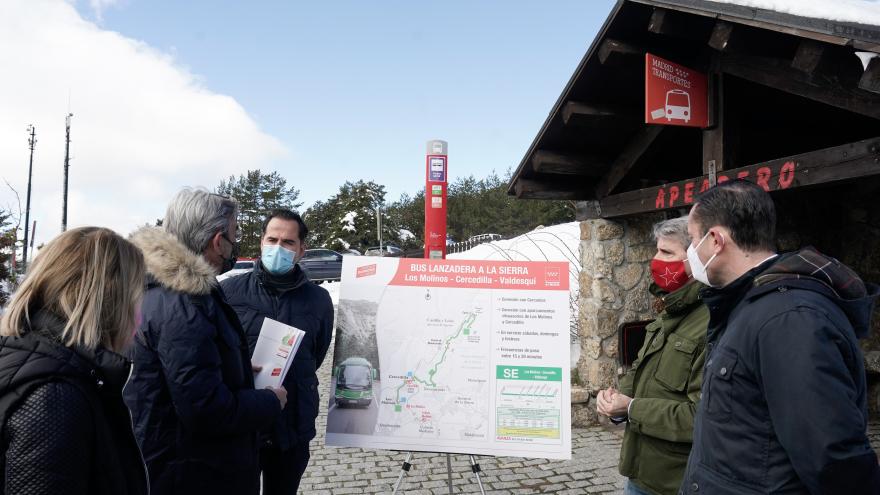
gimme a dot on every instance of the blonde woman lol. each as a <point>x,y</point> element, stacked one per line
<point>64,426</point>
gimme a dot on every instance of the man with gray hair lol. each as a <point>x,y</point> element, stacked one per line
<point>191,392</point>
<point>658,397</point>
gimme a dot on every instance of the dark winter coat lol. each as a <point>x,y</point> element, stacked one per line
<point>64,426</point>
<point>293,300</point>
<point>195,411</point>
<point>784,406</point>
<point>665,385</point>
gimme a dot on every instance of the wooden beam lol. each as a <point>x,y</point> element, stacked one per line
<point>721,36</point>
<point>865,46</point>
<point>808,56</point>
<point>573,109</point>
<point>627,158</point>
<point>849,161</point>
<point>586,210</point>
<point>548,162</point>
<point>544,189</point>
<point>713,137</point>
<point>870,80</point>
<point>658,24</point>
<point>611,47</point>
<point>667,22</point>
<point>844,38</point>
<point>820,87</point>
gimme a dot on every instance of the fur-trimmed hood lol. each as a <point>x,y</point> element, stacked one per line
<point>172,264</point>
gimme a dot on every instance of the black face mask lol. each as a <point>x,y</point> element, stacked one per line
<point>229,263</point>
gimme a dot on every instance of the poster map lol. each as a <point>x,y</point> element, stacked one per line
<point>452,356</point>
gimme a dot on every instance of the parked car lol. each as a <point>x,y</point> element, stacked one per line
<point>352,252</point>
<point>386,250</point>
<point>322,265</point>
<point>242,265</point>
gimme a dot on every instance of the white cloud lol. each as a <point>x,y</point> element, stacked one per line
<point>98,6</point>
<point>143,126</point>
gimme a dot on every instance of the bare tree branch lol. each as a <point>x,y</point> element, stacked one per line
<point>18,199</point>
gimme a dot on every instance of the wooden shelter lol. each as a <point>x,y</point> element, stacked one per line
<point>782,88</point>
<point>793,105</point>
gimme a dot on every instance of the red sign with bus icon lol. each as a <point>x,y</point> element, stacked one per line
<point>674,94</point>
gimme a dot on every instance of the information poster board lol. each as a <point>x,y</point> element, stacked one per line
<point>455,356</point>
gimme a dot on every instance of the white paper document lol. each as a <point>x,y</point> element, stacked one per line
<point>275,349</point>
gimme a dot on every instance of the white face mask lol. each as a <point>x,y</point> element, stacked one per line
<point>698,269</point>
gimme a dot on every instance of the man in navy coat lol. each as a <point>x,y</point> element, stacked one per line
<point>279,289</point>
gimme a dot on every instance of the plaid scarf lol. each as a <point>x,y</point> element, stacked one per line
<point>810,263</point>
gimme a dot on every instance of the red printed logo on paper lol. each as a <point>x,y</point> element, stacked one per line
<point>365,271</point>
<point>674,94</point>
<point>553,277</point>
<point>276,372</point>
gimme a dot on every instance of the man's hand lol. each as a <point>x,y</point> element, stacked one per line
<point>256,369</point>
<point>612,403</point>
<point>603,400</point>
<point>281,393</point>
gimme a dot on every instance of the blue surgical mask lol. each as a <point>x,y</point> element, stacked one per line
<point>277,260</point>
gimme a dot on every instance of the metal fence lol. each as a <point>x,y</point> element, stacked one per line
<point>458,247</point>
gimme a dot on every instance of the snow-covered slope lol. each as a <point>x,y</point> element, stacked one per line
<point>556,243</point>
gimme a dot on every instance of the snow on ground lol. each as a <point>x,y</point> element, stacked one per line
<point>333,289</point>
<point>555,243</point>
<point>856,11</point>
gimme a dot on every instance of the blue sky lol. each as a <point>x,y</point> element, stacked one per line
<point>167,94</point>
<point>354,89</point>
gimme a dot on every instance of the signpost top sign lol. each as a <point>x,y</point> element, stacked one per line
<point>674,94</point>
<point>437,147</point>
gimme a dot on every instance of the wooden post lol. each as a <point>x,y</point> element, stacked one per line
<point>713,136</point>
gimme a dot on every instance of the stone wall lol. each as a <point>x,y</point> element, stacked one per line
<point>614,283</point>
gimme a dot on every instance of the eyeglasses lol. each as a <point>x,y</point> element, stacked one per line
<point>236,238</point>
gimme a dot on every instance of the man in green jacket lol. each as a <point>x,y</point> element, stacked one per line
<point>658,396</point>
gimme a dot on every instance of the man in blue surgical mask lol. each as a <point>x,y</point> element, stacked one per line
<point>279,289</point>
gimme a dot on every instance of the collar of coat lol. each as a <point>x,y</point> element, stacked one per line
<point>172,264</point>
<point>679,301</point>
<point>294,279</point>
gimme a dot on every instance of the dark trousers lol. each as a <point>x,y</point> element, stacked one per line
<point>283,470</point>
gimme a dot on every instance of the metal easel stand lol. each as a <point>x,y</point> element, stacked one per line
<point>407,465</point>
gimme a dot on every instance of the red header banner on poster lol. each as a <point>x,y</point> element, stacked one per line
<point>674,94</point>
<point>516,275</point>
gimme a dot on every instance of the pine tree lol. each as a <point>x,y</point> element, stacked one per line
<point>408,213</point>
<point>257,194</point>
<point>480,206</point>
<point>348,219</point>
<point>7,251</point>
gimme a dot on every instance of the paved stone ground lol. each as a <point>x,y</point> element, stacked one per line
<point>592,469</point>
<point>874,435</point>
